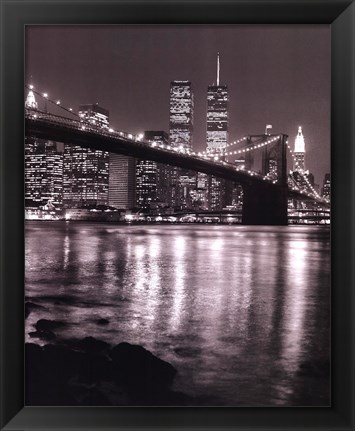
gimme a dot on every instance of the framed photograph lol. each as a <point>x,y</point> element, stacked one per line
<point>177,215</point>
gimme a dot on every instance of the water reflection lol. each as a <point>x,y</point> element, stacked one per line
<point>295,304</point>
<point>179,282</point>
<point>236,309</point>
<point>66,251</point>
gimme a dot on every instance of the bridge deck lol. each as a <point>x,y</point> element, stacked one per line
<point>61,129</point>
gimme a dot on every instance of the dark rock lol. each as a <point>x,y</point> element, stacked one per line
<point>60,364</point>
<point>45,385</point>
<point>94,368</point>
<point>34,351</point>
<point>94,397</point>
<point>90,345</point>
<point>30,306</point>
<point>144,374</point>
<point>43,335</point>
<point>81,373</point>
<point>102,322</point>
<point>33,365</point>
<point>82,361</point>
<point>169,398</point>
<point>48,325</point>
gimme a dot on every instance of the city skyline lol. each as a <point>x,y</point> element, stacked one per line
<point>176,244</point>
<point>303,82</point>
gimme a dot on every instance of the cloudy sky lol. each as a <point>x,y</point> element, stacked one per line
<point>277,75</point>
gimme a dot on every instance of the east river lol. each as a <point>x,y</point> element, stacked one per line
<point>242,312</point>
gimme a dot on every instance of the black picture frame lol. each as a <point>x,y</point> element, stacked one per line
<point>15,15</point>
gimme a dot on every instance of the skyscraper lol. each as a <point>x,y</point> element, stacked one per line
<point>180,135</point>
<point>43,168</point>
<point>43,173</point>
<point>303,179</point>
<point>199,194</point>
<point>181,114</point>
<point>217,115</point>
<point>95,115</point>
<point>299,174</point>
<point>122,181</point>
<point>86,171</point>
<point>152,182</point>
<point>217,136</point>
<point>299,151</point>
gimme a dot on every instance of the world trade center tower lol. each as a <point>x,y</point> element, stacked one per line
<point>180,136</point>
<point>217,137</point>
<point>217,115</point>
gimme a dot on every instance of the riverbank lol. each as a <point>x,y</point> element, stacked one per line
<point>90,372</point>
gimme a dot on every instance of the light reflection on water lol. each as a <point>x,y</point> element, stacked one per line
<point>238,310</point>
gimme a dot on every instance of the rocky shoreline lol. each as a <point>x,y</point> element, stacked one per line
<point>90,372</point>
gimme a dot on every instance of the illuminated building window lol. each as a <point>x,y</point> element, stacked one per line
<point>86,171</point>
<point>217,136</point>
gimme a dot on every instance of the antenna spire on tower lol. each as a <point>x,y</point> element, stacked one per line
<point>217,68</point>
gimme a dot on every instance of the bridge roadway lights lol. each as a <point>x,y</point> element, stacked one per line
<point>264,205</point>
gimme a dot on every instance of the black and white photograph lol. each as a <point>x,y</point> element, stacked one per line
<point>177,188</point>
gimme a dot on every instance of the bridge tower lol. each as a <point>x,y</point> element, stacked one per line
<point>266,203</point>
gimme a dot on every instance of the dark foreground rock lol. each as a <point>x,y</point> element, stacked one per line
<point>88,372</point>
<point>48,325</point>
<point>30,306</point>
<point>89,345</point>
<point>145,375</point>
<point>45,328</point>
<point>43,335</point>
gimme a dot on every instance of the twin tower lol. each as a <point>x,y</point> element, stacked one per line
<point>181,118</point>
<point>182,110</point>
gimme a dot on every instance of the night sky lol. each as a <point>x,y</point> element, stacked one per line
<point>277,75</point>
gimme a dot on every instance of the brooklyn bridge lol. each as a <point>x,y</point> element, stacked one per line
<point>265,197</point>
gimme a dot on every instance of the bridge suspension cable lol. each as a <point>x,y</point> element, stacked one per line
<point>83,121</point>
<point>260,143</point>
<point>56,103</point>
<point>253,147</point>
<point>304,177</point>
<point>208,154</point>
<point>238,141</point>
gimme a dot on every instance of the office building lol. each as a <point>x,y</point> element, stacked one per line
<point>43,173</point>
<point>217,137</point>
<point>43,168</point>
<point>122,181</point>
<point>95,115</point>
<point>300,177</point>
<point>152,178</point>
<point>299,152</point>
<point>86,171</point>
<point>180,136</point>
<point>217,115</point>
<point>181,114</point>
